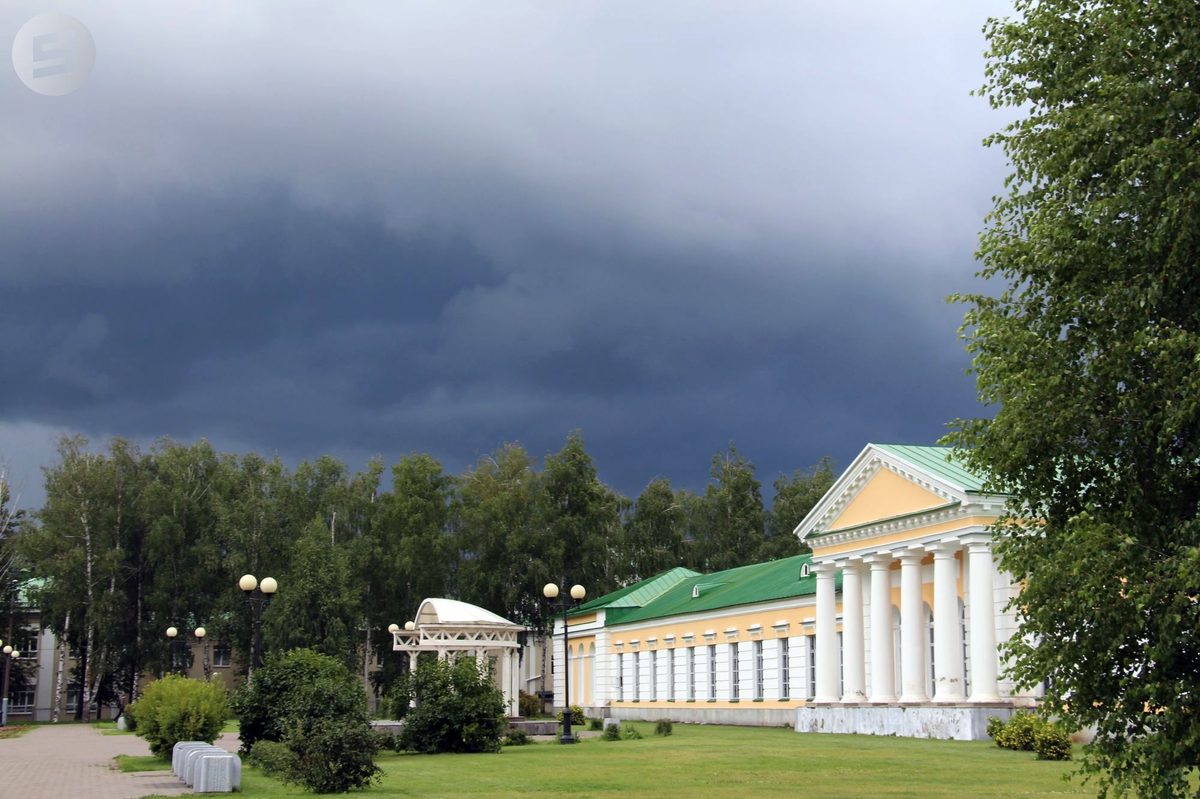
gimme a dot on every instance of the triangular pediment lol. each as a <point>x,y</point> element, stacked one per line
<point>886,482</point>
<point>885,494</point>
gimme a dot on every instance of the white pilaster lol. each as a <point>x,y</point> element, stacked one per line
<point>912,648</point>
<point>854,687</point>
<point>947,632</point>
<point>983,624</point>
<point>883,668</point>
<point>826,633</point>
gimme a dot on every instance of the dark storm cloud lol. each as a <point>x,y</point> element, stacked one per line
<point>380,229</point>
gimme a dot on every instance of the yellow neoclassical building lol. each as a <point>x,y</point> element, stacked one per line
<point>890,626</point>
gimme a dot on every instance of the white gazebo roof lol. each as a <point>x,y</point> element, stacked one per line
<point>453,612</point>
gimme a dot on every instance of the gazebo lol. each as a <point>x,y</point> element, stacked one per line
<point>451,628</point>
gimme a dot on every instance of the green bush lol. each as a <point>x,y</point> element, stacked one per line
<point>612,733</point>
<point>332,755</point>
<point>516,737</point>
<point>577,716</point>
<point>663,727</point>
<point>275,759</point>
<point>300,685</point>
<point>175,709</point>
<point>1052,742</point>
<point>630,733</point>
<point>1031,733</point>
<point>595,724</point>
<point>395,700</point>
<point>994,726</point>
<point>386,740</point>
<point>1017,733</point>
<point>529,705</point>
<point>458,708</point>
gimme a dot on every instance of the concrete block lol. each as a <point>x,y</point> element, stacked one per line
<point>217,773</point>
<point>192,760</point>
<point>179,753</point>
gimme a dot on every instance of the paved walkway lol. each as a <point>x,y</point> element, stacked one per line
<point>75,760</point>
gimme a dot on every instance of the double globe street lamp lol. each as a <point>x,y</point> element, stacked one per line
<point>258,596</point>
<point>199,632</point>
<point>578,592</point>
<point>10,655</point>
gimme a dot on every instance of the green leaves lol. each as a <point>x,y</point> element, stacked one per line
<point>1088,359</point>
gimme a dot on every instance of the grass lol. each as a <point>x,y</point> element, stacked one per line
<point>721,763</point>
<point>142,763</point>
<point>110,728</point>
<point>15,731</point>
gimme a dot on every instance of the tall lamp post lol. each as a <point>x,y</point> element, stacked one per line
<point>578,592</point>
<point>12,655</point>
<point>176,656</point>
<point>199,632</point>
<point>258,596</point>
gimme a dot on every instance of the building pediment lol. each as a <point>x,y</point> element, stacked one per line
<point>886,483</point>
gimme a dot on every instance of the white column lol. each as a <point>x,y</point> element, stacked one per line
<point>883,668</point>
<point>912,649</point>
<point>983,624</point>
<point>947,634</point>
<point>853,665</point>
<point>827,643</point>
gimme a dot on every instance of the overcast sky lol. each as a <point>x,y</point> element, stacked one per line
<point>366,228</point>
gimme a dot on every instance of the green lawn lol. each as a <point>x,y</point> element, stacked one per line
<point>709,761</point>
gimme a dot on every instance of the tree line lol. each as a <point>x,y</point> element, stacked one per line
<point>130,542</point>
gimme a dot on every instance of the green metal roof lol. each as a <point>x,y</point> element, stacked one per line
<point>939,461</point>
<point>744,585</point>
<point>637,594</point>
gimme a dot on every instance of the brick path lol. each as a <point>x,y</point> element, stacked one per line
<point>75,760</point>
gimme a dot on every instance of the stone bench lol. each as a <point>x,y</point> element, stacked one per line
<point>206,768</point>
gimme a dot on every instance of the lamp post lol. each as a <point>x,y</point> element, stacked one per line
<point>176,658</point>
<point>12,655</point>
<point>578,592</point>
<point>258,596</point>
<point>200,632</point>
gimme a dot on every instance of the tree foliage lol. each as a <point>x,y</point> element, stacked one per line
<point>1090,360</point>
<point>458,708</point>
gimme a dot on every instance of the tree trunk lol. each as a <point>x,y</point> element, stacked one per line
<point>59,667</point>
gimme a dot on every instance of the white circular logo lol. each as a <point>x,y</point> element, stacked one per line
<point>53,54</point>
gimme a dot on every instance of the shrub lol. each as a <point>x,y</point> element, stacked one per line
<point>1028,732</point>
<point>663,727</point>
<point>577,716</point>
<point>332,755</point>
<point>275,759</point>
<point>300,685</point>
<point>386,740</point>
<point>516,737</point>
<point>529,705</point>
<point>994,725</point>
<point>595,724</point>
<point>458,708</point>
<point>1017,733</point>
<point>612,732</point>
<point>630,733</point>
<point>175,709</point>
<point>1052,742</point>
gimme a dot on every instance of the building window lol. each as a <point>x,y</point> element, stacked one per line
<point>931,672</point>
<point>654,676</point>
<point>637,676</point>
<point>785,669</point>
<point>22,701</point>
<point>26,643</point>
<point>841,668</point>
<point>735,688</point>
<point>221,655</point>
<point>962,628</point>
<point>620,678</point>
<point>72,699</point>
<point>670,675</point>
<point>758,669</point>
<point>691,674</point>
<point>712,671</point>
<point>812,666</point>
